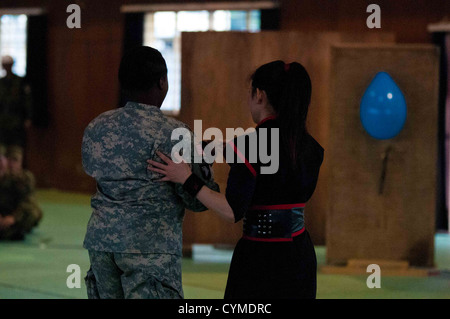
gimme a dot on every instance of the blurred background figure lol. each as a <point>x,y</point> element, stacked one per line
<point>6,220</point>
<point>19,211</point>
<point>15,106</point>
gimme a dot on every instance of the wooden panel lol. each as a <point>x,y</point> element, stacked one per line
<point>82,81</point>
<point>407,19</point>
<point>53,153</point>
<point>215,78</point>
<point>214,88</point>
<point>399,223</point>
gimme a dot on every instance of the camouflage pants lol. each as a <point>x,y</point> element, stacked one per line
<point>134,276</point>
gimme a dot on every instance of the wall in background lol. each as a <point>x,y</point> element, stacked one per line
<point>82,65</point>
<point>407,19</point>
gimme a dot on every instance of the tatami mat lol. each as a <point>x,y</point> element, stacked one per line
<point>36,267</point>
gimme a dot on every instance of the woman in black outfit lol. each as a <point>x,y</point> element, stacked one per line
<point>275,258</point>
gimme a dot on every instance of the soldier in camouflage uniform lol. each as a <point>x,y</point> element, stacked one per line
<point>17,201</point>
<point>134,236</point>
<point>15,106</point>
<point>28,211</point>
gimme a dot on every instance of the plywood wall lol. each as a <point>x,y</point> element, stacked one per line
<point>82,65</point>
<point>215,79</point>
<point>399,223</point>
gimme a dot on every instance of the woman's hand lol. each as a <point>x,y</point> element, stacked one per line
<point>179,173</point>
<point>173,172</point>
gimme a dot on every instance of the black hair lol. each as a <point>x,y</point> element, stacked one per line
<point>141,69</point>
<point>288,89</point>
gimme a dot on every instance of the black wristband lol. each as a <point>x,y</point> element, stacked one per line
<point>193,185</point>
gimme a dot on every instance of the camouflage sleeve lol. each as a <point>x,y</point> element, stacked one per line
<point>202,170</point>
<point>27,181</point>
<point>27,215</point>
<point>86,152</point>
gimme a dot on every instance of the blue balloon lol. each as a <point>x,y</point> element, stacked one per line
<point>383,108</point>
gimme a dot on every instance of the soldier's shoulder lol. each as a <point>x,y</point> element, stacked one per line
<point>174,123</point>
<point>102,118</point>
<point>19,80</point>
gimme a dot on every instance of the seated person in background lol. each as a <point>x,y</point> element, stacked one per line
<point>18,207</point>
<point>6,220</point>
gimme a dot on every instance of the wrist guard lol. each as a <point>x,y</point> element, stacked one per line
<point>193,185</point>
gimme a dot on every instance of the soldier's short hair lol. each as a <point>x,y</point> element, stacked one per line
<point>141,68</point>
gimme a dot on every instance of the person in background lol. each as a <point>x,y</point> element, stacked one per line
<point>18,206</point>
<point>6,219</point>
<point>15,106</point>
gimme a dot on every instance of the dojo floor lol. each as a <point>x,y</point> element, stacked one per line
<point>36,267</point>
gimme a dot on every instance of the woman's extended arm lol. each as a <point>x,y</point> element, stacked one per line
<point>179,173</point>
<point>217,202</point>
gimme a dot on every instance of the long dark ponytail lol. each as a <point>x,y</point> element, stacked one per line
<point>288,89</point>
